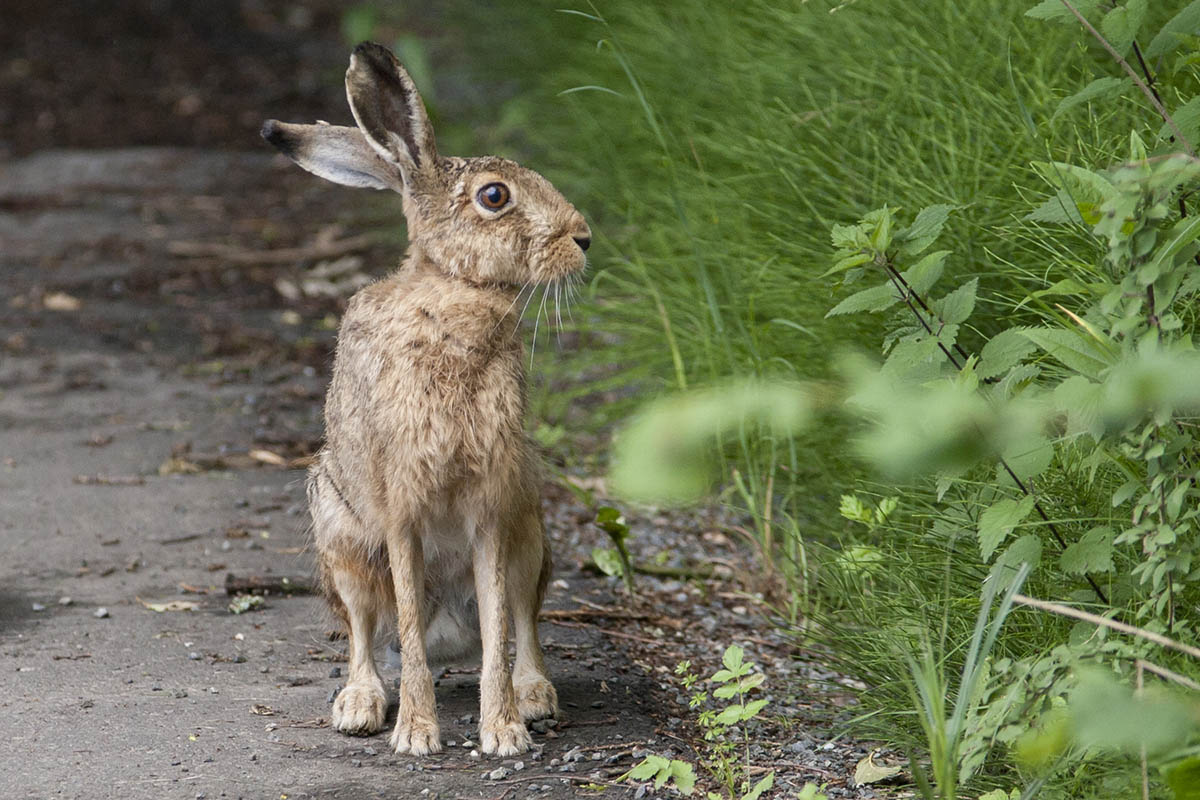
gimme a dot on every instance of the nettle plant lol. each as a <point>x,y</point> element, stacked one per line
<point>1115,383</point>
<point>1109,383</point>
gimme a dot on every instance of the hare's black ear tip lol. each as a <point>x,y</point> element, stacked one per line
<point>373,54</point>
<point>272,130</point>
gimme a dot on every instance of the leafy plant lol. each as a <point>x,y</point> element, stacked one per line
<point>614,560</point>
<point>723,728</point>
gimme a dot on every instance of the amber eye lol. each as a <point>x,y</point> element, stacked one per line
<point>493,196</point>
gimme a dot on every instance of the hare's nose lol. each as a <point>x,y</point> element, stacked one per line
<point>582,235</point>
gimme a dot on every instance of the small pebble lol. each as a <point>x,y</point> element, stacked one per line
<point>370,751</point>
<point>517,767</point>
<point>100,613</point>
<point>640,793</point>
<point>336,672</point>
<point>554,762</point>
<point>598,704</point>
<point>499,774</point>
<point>474,754</point>
<point>193,656</point>
<point>38,607</point>
<point>65,601</point>
<point>354,762</point>
<point>333,693</point>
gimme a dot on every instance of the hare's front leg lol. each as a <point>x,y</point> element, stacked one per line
<point>501,730</point>
<point>416,725</point>
<point>360,707</point>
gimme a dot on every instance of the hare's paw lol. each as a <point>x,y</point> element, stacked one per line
<point>359,709</point>
<point>506,739</point>
<point>415,737</point>
<point>536,699</point>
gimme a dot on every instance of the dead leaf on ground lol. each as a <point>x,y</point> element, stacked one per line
<point>170,605</point>
<point>267,457</point>
<point>868,771</point>
<point>61,301</point>
<point>178,466</point>
<point>262,710</point>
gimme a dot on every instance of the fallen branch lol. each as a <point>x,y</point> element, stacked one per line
<point>680,573</point>
<point>1075,613</point>
<point>281,255</point>
<point>267,584</point>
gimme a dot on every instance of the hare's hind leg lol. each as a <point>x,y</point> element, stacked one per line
<point>417,729</point>
<point>356,587</point>
<point>528,574</point>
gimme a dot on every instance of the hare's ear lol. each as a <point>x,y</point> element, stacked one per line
<point>389,110</point>
<point>335,153</point>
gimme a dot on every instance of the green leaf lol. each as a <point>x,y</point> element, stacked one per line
<point>1110,716</point>
<point>924,274</point>
<point>1079,399</point>
<point>848,262</point>
<point>958,305</point>
<point>1054,9</point>
<point>722,676</point>
<point>926,228</point>
<point>730,715</point>
<point>608,561</point>
<point>651,765</point>
<point>1026,549</point>
<point>1062,209</point>
<point>1081,183</point>
<point>1070,348</point>
<point>683,776</point>
<point>752,709</point>
<point>755,680</point>
<point>1187,119</point>
<point>760,787</point>
<point>732,658</point>
<point>1099,89</point>
<point>877,298</point>
<point>1092,553</point>
<point>725,692</point>
<point>1002,352</point>
<point>1185,23</point>
<point>1120,26</point>
<point>998,520</point>
<point>1184,779</point>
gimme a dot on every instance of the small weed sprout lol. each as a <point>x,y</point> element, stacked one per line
<point>723,729</point>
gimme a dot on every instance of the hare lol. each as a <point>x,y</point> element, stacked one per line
<point>425,497</point>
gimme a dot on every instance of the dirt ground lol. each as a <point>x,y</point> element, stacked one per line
<point>169,298</point>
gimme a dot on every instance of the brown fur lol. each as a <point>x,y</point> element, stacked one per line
<point>425,498</point>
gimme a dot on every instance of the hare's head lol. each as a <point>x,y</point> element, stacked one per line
<point>484,219</point>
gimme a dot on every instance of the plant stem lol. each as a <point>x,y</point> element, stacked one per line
<point>908,294</point>
<point>1151,95</point>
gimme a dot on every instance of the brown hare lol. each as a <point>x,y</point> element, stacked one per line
<point>425,498</point>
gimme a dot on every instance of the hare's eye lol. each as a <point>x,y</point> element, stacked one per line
<point>493,196</point>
